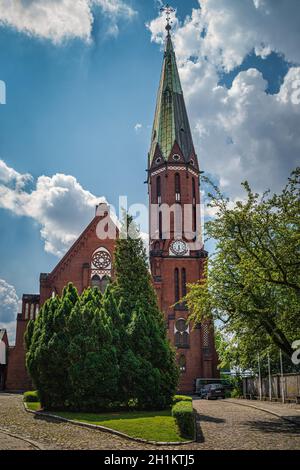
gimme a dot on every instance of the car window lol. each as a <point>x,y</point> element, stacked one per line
<point>216,386</point>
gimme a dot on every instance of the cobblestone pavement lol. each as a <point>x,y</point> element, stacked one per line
<point>227,425</point>
<point>289,411</point>
<point>12,443</point>
<point>221,425</point>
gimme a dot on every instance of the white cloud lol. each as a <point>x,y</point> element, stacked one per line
<point>138,127</point>
<point>242,132</point>
<point>158,26</point>
<point>234,28</point>
<point>58,204</point>
<point>9,302</point>
<point>9,175</point>
<point>60,20</point>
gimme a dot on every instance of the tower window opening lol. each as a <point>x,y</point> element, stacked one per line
<point>26,311</point>
<point>194,210</point>
<point>194,190</point>
<point>158,190</point>
<point>177,187</point>
<point>183,282</point>
<point>176,284</point>
<point>160,234</point>
<point>194,219</point>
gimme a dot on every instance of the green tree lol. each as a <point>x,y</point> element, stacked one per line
<point>92,357</point>
<point>252,284</point>
<point>149,360</point>
<point>71,358</point>
<point>47,359</point>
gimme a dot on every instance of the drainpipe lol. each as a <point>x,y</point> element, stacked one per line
<point>270,378</point>
<point>259,377</point>
<point>282,377</point>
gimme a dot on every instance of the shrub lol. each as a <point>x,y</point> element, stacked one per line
<point>71,358</point>
<point>178,398</point>
<point>31,397</point>
<point>235,393</point>
<point>183,413</point>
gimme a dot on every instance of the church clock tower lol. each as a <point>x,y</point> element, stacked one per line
<point>177,254</point>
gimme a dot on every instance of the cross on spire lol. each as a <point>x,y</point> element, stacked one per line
<point>167,9</point>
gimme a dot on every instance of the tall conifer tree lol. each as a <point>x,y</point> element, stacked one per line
<point>152,374</point>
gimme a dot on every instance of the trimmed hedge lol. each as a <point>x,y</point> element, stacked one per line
<point>31,397</point>
<point>178,398</point>
<point>183,414</point>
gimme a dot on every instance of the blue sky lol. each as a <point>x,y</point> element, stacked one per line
<point>72,106</point>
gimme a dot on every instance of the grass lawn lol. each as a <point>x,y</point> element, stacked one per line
<point>150,425</point>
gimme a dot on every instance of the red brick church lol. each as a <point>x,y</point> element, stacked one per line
<point>176,254</point>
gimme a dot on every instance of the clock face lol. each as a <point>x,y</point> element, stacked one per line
<point>179,247</point>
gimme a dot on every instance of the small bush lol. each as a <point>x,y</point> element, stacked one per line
<point>235,393</point>
<point>183,413</point>
<point>178,398</point>
<point>31,397</point>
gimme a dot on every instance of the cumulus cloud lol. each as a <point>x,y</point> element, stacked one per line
<point>242,132</point>
<point>60,20</point>
<point>9,303</point>
<point>225,31</point>
<point>58,204</point>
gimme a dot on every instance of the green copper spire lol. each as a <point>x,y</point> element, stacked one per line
<point>171,122</point>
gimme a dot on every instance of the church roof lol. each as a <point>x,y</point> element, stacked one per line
<point>171,124</point>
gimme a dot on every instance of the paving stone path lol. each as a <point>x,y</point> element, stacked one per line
<point>221,424</point>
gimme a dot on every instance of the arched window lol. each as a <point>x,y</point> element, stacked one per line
<point>205,335</point>
<point>177,187</point>
<point>26,311</point>
<point>194,190</point>
<point>176,284</point>
<point>194,213</point>
<point>104,283</point>
<point>181,333</point>
<point>160,234</point>
<point>182,363</point>
<point>101,267</point>
<point>96,281</point>
<point>32,312</point>
<point>158,190</point>
<point>156,246</point>
<point>183,282</point>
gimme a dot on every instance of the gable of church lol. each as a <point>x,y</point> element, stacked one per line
<point>89,262</point>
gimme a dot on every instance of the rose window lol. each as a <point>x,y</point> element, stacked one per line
<point>101,260</point>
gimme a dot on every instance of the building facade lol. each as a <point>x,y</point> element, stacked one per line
<point>176,253</point>
<point>89,262</point>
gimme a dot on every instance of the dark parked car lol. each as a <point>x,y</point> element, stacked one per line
<point>203,391</point>
<point>212,391</point>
